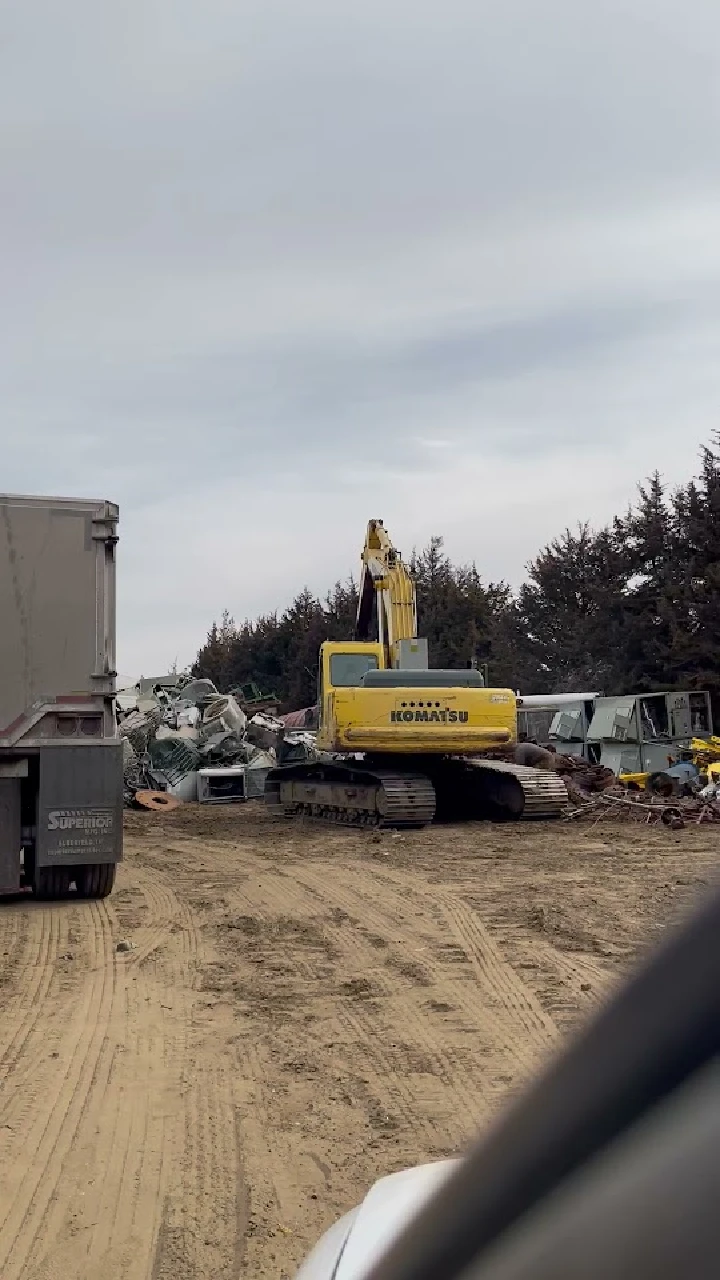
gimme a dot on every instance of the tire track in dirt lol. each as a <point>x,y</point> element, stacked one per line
<point>384,1089</point>
<point>51,1137</point>
<point>393,1100</point>
<point>296,1174</point>
<point>523,1027</point>
<point>147,1087</point>
<point>401,1071</point>
<point>500,980</point>
<point>203,1222</point>
<point>41,942</point>
<point>145,1129</point>
<point>494,1000</point>
<point>145,1064</point>
<point>279,1155</point>
<point>100,1126</point>
<point>202,1226</point>
<point>450,1080</point>
<point>270,1186</point>
<point>199,1177</point>
<point>448,1087</point>
<point>132,1124</point>
<point>163,910</point>
<point>13,936</point>
<point>563,965</point>
<point>36,1051</point>
<point>582,979</point>
<point>494,1004</point>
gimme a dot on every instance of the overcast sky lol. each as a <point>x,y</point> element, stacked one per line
<point>273,267</point>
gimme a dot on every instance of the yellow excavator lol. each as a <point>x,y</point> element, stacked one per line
<point>400,744</point>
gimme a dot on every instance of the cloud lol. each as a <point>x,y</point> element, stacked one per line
<point>273,268</point>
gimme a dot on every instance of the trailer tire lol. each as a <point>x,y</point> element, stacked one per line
<point>95,880</point>
<point>52,883</point>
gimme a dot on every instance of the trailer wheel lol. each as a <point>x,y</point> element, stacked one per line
<point>52,883</point>
<point>95,880</point>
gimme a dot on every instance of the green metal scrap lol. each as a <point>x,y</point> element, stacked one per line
<point>250,694</point>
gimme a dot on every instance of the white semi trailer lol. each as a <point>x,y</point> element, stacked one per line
<point>61,771</point>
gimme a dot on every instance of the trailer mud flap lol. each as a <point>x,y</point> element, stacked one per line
<point>80,811</point>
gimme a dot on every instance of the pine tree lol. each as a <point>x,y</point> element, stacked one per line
<point>568,613</point>
<point>696,513</point>
<point>213,660</point>
<point>648,541</point>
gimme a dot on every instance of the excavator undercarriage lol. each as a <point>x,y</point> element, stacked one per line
<point>390,792</point>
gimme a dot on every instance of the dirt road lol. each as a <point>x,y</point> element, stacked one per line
<point>299,1011</point>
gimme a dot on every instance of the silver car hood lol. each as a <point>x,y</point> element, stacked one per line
<point>353,1245</point>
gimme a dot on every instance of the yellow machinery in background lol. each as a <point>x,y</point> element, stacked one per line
<point>702,753</point>
<point>706,758</point>
<point>403,743</point>
<point>706,754</point>
<point>635,781</point>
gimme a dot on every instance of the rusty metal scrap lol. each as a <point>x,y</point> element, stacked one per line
<point>683,811</point>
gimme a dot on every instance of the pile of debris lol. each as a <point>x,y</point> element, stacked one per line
<point>673,797</point>
<point>617,803</point>
<point>683,793</point>
<point>579,776</point>
<point>582,778</point>
<point>184,741</point>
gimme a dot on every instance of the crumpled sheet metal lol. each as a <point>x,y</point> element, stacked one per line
<point>139,727</point>
<point>224,713</point>
<point>191,726</point>
<point>174,757</point>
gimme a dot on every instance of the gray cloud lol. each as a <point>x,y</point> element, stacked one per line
<point>460,262</point>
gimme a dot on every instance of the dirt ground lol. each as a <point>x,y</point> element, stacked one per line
<point>300,1011</point>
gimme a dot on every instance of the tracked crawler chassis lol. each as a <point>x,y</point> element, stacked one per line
<point>392,793</point>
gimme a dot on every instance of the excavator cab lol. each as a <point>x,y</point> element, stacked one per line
<point>347,667</point>
<point>343,668</point>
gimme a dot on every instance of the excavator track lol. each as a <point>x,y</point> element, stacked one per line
<point>473,789</point>
<point>448,789</point>
<point>352,796</point>
<point>544,792</point>
<point>408,799</point>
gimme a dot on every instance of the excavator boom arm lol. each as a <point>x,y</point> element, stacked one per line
<point>385,579</point>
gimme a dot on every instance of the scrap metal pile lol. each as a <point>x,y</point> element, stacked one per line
<point>184,741</point>
<point>688,792</point>
<point>618,804</point>
<point>680,795</point>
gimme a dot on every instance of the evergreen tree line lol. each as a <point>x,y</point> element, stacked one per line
<point>631,607</point>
